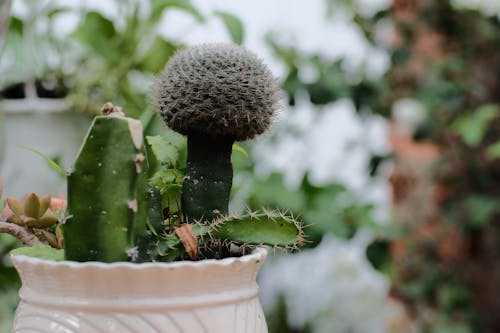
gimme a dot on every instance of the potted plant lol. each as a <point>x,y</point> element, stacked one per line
<point>132,261</point>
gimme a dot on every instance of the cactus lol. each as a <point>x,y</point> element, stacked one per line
<point>214,94</point>
<point>217,94</point>
<point>32,220</point>
<point>272,228</point>
<point>107,191</point>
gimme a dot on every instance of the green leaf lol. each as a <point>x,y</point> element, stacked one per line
<point>172,198</point>
<point>163,150</point>
<point>40,251</point>
<point>233,25</point>
<point>272,192</point>
<point>481,209</point>
<point>51,162</point>
<point>16,25</point>
<point>158,6</point>
<point>98,33</point>
<point>240,149</point>
<point>493,151</point>
<point>177,140</point>
<point>473,127</point>
<point>155,58</point>
<point>164,176</point>
<point>56,11</point>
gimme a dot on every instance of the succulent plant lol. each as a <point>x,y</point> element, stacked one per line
<point>215,94</point>
<point>32,218</point>
<point>34,212</point>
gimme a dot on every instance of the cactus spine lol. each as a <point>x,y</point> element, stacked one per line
<point>106,191</point>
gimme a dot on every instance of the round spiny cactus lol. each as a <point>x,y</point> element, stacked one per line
<point>220,90</point>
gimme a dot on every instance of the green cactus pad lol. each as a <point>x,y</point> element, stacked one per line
<point>271,228</point>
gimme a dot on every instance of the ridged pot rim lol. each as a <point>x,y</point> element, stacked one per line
<point>125,285</point>
<point>259,253</point>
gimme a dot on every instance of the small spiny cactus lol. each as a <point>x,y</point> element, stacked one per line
<point>230,235</point>
<point>215,94</point>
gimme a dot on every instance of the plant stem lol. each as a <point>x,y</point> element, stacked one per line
<point>209,177</point>
<point>21,233</point>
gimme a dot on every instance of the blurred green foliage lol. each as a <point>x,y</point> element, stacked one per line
<point>325,209</point>
<point>333,81</point>
<point>447,59</point>
<point>103,58</point>
<point>122,60</point>
<point>9,283</point>
<point>233,25</point>
<point>452,68</point>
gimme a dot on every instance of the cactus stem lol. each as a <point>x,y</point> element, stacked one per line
<point>209,177</point>
<point>114,185</point>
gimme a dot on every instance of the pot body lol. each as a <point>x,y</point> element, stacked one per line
<point>207,296</point>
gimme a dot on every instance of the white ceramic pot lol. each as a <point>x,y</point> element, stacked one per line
<point>207,296</point>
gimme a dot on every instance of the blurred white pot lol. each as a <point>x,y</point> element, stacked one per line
<point>47,125</point>
<point>210,296</point>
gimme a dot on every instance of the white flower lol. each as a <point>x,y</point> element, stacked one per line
<point>487,7</point>
<point>408,114</point>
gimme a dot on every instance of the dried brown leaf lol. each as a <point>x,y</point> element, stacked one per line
<point>188,240</point>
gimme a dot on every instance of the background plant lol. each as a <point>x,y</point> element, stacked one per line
<point>127,49</point>
<point>442,71</point>
<point>444,58</point>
